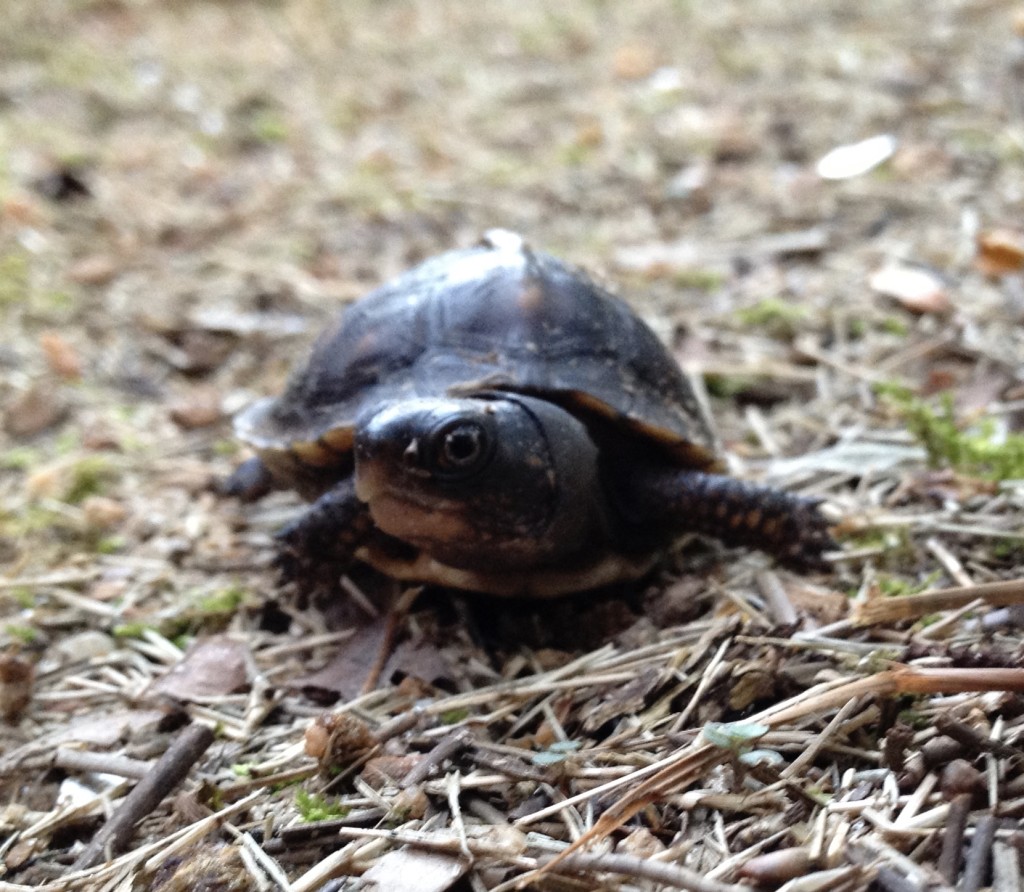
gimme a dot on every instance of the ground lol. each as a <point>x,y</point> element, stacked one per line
<point>190,190</point>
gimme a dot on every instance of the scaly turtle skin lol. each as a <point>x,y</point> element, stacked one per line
<point>495,421</point>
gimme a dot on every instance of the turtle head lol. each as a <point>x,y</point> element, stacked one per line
<point>494,481</point>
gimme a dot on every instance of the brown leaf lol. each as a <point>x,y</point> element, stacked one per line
<point>349,667</point>
<point>211,667</point>
<point>102,513</point>
<point>96,269</point>
<point>1000,252</point>
<point>418,659</point>
<point>200,408</point>
<point>33,411</point>
<point>61,356</point>
<point>634,61</point>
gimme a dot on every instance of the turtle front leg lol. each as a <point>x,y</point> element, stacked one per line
<point>790,528</point>
<point>249,482</point>
<point>320,543</point>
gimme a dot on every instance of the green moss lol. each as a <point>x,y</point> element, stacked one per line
<point>856,329</point>
<point>1011,550</point>
<point>108,545</point>
<point>14,279</point>
<point>32,519</point>
<point>23,596</point>
<point>314,807</point>
<point>776,317</point>
<point>131,630</point>
<point>727,387</point>
<point>20,458</point>
<point>894,586</point>
<point>895,326</point>
<point>971,449</point>
<point>223,602</point>
<point>24,634</point>
<point>699,279</point>
<point>454,716</point>
<point>225,448</point>
<point>89,476</point>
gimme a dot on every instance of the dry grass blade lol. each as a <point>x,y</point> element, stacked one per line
<point>677,772</point>
<point>881,611</point>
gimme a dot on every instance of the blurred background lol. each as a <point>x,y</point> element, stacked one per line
<point>189,190</point>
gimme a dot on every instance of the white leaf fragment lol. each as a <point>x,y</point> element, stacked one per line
<point>853,160</point>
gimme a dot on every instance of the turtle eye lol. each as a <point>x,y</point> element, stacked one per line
<point>461,447</point>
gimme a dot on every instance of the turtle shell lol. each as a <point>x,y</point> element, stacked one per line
<point>498,316</point>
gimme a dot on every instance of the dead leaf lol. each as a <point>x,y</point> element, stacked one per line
<point>349,667</point>
<point>105,729</point>
<point>856,159</point>
<point>61,356</point>
<point>418,659</point>
<point>211,667</point>
<point>916,290</point>
<point>634,61</point>
<point>411,870</point>
<point>16,677</point>
<point>628,699</point>
<point>96,269</point>
<point>102,513</point>
<point>33,411</point>
<point>1000,252</point>
<point>200,408</point>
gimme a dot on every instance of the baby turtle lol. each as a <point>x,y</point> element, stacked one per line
<point>495,421</point>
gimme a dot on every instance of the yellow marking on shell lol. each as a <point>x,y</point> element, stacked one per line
<point>587,401</point>
<point>754,518</point>
<point>341,439</point>
<point>313,454</point>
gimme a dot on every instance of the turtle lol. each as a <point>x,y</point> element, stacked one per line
<point>495,421</point>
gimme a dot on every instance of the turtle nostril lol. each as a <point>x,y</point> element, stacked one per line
<point>411,455</point>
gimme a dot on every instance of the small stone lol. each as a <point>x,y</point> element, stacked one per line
<point>33,411</point>
<point>102,513</point>
<point>634,61</point>
<point>96,269</point>
<point>201,408</point>
<point>61,356</point>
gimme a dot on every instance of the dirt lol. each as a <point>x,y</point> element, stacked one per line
<point>190,191</point>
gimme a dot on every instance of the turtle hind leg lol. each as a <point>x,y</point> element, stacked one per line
<point>790,528</point>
